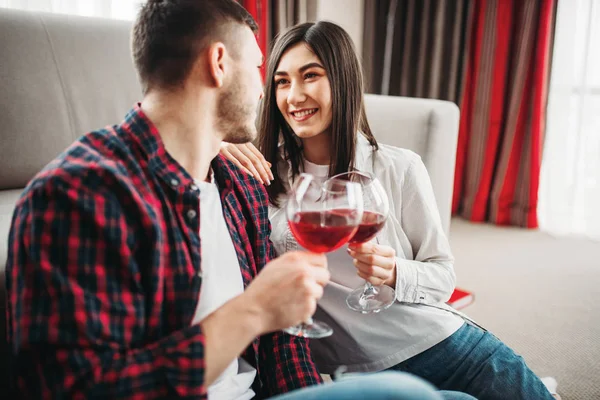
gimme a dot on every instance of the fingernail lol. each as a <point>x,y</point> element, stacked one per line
<point>268,182</point>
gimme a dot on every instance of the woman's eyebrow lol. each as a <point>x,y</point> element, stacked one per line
<point>302,68</point>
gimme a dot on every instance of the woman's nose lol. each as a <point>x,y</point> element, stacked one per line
<point>296,94</point>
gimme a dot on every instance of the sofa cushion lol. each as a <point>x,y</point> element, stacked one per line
<point>427,127</point>
<point>8,198</point>
<point>61,76</point>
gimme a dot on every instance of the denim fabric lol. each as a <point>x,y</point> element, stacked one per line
<point>452,395</point>
<point>476,362</point>
<point>383,386</point>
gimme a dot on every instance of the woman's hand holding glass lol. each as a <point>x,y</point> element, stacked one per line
<point>371,261</point>
<point>375,263</point>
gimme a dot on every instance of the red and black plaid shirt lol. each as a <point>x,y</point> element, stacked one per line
<point>104,272</point>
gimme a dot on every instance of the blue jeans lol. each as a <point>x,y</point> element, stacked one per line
<point>476,362</point>
<point>381,386</point>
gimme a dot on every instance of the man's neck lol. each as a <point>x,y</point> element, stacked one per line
<point>186,129</point>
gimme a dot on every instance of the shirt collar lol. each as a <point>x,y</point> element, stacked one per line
<point>361,160</point>
<point>140,129</point>
<point>364,150</point>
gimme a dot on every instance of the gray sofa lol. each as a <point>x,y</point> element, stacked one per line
<point>61,76</point>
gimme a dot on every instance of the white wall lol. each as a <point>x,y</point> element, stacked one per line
<point>346,13</point>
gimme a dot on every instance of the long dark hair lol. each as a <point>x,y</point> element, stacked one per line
<point>334,48</point>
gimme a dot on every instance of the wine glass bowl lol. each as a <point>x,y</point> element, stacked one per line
<point>322,218</point>
<point>371,224</point>
<point>368,298</point>
<point>321,231</point>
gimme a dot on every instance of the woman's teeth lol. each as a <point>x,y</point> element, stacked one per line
<point>304,113</point>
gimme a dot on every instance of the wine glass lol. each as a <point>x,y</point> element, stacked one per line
<point>368,298</point>
<point>322,218</point>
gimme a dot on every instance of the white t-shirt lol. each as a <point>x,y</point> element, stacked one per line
<point>425,275</point>
<point>221,281</point>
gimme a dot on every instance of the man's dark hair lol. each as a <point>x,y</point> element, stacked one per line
<point>168,36</point>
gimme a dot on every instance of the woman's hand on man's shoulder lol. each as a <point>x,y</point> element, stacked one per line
<point>249,159</point>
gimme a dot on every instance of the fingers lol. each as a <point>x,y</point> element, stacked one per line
<point>234,160</point>
<point>320,275</point>
<point>247,157</point>
<point>316,291</point>
<point>246,162</point>
<point>314,266</point>
<point>374,248</point>
<point>372,270</point>
<point>371,279</point>
<point>386,263</point>
<point>313,259</point>
<point>257,160</point>
<point>265,164</point>
<point>371,265</point>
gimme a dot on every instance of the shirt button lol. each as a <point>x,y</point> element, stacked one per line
<point>174,182</point>
<point>191,214</point>
<point>199,274</point>
<point>193,187</point>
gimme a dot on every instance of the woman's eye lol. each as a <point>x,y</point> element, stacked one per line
<point>310,75</point>
<point>281,82</point>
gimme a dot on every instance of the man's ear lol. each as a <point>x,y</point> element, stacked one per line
<point>217,63</point>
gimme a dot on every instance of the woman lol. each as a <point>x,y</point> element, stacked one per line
<point>313,120</point>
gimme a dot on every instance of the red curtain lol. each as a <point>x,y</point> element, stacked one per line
<point>503,112</point>
<point>260,10</point>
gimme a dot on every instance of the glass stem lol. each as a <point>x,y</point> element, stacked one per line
<point>368,289</point>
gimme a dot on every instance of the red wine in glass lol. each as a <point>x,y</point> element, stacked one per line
<point>368,299</point>
<point>322,218</point>
<point>371,224</point>
<point>322,232</point>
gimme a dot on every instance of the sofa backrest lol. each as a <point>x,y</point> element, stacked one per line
<point>427,127</point>
<point>61,76</point>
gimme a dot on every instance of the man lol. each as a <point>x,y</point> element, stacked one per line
<point>139,262</point>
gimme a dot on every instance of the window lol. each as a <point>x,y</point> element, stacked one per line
<point>569,200</point>
<point>118,9</point>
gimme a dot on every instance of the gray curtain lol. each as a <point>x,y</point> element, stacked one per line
<point>416,48</point>
<point>287,13</point>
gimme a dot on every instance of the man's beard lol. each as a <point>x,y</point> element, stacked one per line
<point>234,118</point>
